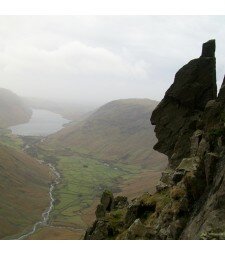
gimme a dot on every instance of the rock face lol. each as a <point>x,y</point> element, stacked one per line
<point>178,113</point>
<point>190,199</point>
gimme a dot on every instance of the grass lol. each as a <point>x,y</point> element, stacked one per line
<point>57,233</point>
<point>24,192</point>
<point>83,180</point>
<point>10,140</point>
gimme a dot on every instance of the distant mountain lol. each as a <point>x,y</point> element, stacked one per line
<point>117,131</point>
<point>12,109</point>
<point>24,187</point>
<point>68,110</point>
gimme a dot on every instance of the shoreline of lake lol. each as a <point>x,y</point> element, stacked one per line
<point>41,123</point>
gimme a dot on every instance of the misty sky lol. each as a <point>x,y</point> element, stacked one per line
<point>101,58</point>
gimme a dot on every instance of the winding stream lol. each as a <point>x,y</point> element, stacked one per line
<point>41,123</point>
<point>46,213</point>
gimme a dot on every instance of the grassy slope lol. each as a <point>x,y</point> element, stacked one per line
<point>24,186</point>
<point>12,110</point>
<point>118,131</point>
<point>24,183</point>
<point>10,140</point>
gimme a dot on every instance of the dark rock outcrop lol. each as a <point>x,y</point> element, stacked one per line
<point>190,199</point>
<point>178,114</point>
<point>221,95</point>
<point>120,202</point>
<point>100,211</point>
<point>107,200</point>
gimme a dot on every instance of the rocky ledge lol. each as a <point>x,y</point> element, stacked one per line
<point>189,202</point>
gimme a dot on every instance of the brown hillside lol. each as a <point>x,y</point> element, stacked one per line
<point>117,131</point>
<point>12,110</point>
<point>24,186</point>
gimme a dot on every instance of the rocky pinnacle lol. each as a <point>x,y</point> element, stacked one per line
<point>194,85</point>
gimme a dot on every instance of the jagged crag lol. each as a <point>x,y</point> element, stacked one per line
<point>189,202</point>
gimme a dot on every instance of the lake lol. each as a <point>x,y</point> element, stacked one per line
<point>41,123</point>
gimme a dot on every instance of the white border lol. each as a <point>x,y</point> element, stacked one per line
<point>112,7</point>
<point>112,247</point>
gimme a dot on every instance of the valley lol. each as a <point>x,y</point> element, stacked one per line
<point>83,179</point>
<point>109,150</point>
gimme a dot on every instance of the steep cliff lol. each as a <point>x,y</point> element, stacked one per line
<point>189,202</point>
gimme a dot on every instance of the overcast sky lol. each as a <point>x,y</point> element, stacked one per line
<point>101,58</point>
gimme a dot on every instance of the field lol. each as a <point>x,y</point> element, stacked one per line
<point>83,180</point>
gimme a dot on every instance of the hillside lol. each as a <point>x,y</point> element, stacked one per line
<point>189,201</point>
<point>12,109</point>
<point>117,131</point>
<point>23,192</point>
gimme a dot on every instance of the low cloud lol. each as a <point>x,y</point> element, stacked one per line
<point>101,58</point>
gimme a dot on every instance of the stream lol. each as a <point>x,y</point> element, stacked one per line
<point>46,213</point>
<point>41,123</point>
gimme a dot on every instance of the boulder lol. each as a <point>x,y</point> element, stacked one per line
<point>161,186</point>
<point>132,213</point>
<point>189,164</point>
<point>140,208</point>
<point>166,176</point>
<point>107,200</point>
<point>99,231</point>
<point>100,211</point>
<point>120,202</point>
<point>136,231</point>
